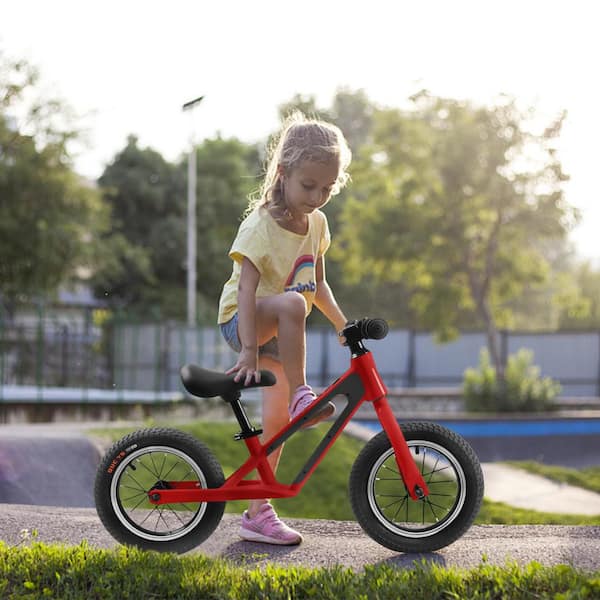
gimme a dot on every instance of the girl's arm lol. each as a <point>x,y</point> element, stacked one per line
<point>325,300</point>
<point>247,363</point>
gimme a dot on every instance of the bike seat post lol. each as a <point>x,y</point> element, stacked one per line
<point>241,416</point>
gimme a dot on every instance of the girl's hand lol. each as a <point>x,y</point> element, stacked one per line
<point>246,367</point>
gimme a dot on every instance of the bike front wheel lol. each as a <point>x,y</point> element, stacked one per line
<point>149,459</point>
<point>383,506</point>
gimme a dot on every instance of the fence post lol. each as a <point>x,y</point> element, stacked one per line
<point>119,341</point>
<point>39,358</point>
<point>87,355</point>
<point>598,383</point>
<point>504,333</point>
<point>411,359</point>
<point>3,349</point>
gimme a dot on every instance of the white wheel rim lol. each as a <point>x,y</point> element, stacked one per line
<point>445,522</point>
<point>126,522</point>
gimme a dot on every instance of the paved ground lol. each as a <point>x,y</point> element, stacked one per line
<point>524,490</point>
<point>329,543</point>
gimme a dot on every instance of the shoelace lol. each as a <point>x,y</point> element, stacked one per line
<point>270,518</point>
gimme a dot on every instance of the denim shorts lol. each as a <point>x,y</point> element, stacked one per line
<point>230,333</point>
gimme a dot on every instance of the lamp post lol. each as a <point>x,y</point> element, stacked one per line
<point>191,222</point>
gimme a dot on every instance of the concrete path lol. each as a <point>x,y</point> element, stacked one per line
<point>525,490</point>
<point>329,543</point>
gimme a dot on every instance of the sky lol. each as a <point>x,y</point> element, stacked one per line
<point>127,67</point>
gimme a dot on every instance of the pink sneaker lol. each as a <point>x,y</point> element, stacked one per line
<point>303,398</point>
<point>267,527</point>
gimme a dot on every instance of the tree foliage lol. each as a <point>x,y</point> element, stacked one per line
<point>584,311</point>
<point>145,248</point>
<point>148,196</point>
<point>447,203</point>
<point>453,217</point>
<point>49,217</point>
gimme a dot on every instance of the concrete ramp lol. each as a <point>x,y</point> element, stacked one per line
<point>50,470</point>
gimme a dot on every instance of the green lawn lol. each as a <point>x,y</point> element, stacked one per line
<point>588,478</point>
<point>325,496</point>
<point>83,572</point>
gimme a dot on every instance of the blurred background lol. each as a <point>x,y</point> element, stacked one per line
<point>470,224</point>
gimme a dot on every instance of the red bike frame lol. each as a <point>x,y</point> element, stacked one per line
<point>361,383</point>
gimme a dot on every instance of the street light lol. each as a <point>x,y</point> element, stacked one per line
<point>191,222</point>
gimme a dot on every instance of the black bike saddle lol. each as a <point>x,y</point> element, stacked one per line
<point>208,384</point>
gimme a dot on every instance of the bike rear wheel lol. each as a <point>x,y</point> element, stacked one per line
<point>386,511</point>
<point>148,459</point>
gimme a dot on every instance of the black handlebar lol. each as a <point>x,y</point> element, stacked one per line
<point>364,329</point>
<point>374,329</point>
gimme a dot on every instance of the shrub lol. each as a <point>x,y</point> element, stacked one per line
<point>523,390</point>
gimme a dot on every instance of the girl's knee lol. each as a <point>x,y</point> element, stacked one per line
<point>294,305</point>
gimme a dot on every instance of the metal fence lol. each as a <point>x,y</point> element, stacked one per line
<point>57,349</point>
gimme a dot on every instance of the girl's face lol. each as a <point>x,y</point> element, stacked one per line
<point>308,186</point>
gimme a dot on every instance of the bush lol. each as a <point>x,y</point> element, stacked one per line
<point>523,390</point>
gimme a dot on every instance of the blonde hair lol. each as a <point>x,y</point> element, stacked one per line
<point>302,139</point>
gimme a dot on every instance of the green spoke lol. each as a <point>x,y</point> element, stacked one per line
<point>176,513</point>
<point>138,488</point>
<point>154,465</point>
<point>138,504</point>
<point>173,466</point>
<point>437,460</point>
<point>401,500</point>
<point>398,511</point>
<point>438,505</point>
<point>437,470</point>
<point>148,515</point>
<point>390,469</point>
<point>163,464</point>
<point>442,481</point>
<point>391,496</point>
<point>141,464</point>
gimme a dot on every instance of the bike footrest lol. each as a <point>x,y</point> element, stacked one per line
<point>242,435</point>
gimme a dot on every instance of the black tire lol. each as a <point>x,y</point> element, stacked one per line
<point>384,508</point>
<point>133,466</point>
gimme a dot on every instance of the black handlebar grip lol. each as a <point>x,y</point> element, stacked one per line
<point>374,329</point>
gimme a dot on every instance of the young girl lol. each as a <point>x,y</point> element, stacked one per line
<point>278,274</point>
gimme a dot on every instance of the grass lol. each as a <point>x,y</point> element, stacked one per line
<point>81,572</point>
<point>498,513</point>
<point>587,478</point>
<point>325,495</point>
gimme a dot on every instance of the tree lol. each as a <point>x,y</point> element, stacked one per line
<point>447,202</point>
<point>50,218</point>
<point>228,172</point>
<point>585,313</point>
<point>149,209</point>
<point>147,238</point>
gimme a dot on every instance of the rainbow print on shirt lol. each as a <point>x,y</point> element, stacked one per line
<point>294,282</point>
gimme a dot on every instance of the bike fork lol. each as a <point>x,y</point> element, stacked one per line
<point>414,482</point>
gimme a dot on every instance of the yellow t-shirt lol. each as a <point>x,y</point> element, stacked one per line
<point>284,259</point>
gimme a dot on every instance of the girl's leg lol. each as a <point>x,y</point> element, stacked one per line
<point>274,415</point>
<point>284,316</point>
<point>260,522</point>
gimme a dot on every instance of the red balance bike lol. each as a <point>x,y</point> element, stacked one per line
<point>415,487</point>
